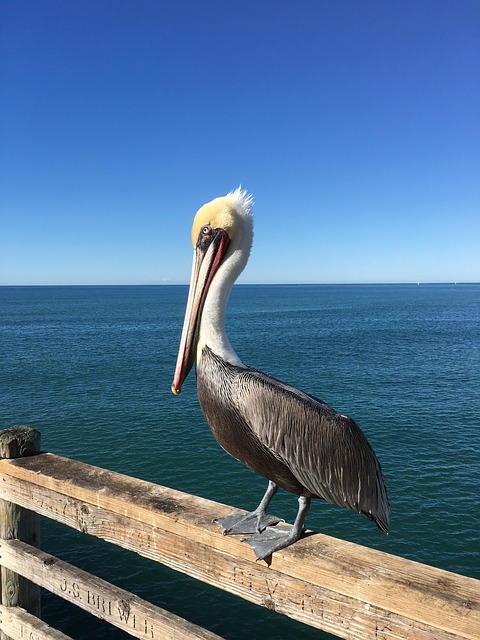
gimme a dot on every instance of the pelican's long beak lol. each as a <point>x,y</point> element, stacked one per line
<point>207,257</point>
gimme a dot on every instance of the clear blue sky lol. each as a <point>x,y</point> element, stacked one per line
<point>355,124</point>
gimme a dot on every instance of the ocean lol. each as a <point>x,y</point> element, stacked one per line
<point>91,368</point>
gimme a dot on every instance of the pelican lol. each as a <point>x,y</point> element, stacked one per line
<point>293,439</point>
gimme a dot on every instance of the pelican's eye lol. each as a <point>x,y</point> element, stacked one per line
<point>205,237</point>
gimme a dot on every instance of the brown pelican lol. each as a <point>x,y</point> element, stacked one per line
<point>296,441</point>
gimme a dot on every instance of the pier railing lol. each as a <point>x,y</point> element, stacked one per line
<point>345,589</point>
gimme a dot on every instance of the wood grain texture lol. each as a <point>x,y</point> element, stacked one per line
<point>105,601</point>
<point>343,588</point>
<point>18,522</point>
<point>18,624</point>
<point>18,442</point>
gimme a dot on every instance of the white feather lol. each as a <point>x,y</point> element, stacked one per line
<point>212,328</point>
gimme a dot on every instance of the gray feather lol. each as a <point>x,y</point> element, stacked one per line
<point>327,454</point>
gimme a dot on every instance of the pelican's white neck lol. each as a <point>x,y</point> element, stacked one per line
<point>212,327</point>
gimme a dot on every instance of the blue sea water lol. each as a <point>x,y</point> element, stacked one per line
<point>91,368</point>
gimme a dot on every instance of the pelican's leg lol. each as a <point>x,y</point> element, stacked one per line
<point>254,521</point>
<point>276,538</point>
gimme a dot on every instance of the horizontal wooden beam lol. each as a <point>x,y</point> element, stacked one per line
<point>351,591</point>
<point>120,608</point>
<point>18,624</point>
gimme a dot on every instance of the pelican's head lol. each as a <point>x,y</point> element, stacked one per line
<point>222,234</point>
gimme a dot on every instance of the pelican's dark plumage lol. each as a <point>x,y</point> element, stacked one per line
<point>296,441</point>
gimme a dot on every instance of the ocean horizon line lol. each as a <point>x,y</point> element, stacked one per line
<point>250,284</point>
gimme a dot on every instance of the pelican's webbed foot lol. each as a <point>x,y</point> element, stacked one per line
<point>254,521</point>
<point>251,522</point>
<point>272,539</point>
<point>275,538</point>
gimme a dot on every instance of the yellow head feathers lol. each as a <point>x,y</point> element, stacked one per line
<point>224,213</point>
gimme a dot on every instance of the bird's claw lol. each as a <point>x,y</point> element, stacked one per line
<point>272,539</point>
<point>251,522</point>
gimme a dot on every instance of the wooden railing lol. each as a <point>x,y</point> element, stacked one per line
<point>343,588</point>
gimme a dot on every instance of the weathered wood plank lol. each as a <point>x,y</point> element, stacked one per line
<point>120,608</point>
<point>18,624</point>
<point>343,588</point>
<point>16,522</point>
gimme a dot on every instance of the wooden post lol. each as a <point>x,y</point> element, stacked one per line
<point>18,523</point>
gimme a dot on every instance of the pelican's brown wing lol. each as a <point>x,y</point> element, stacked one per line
<point>327,452</point>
